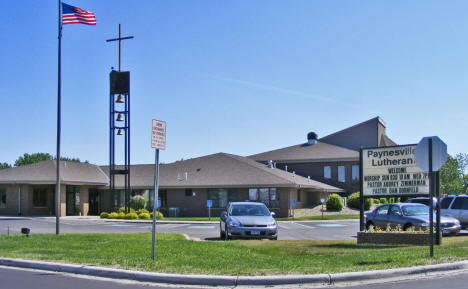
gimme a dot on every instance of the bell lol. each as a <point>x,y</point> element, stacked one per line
<point>119,117</point>
<point>120,99</point>
<point>119,132</point>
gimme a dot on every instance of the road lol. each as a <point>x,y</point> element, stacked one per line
<point>311,230</point>
<point>15,278</point>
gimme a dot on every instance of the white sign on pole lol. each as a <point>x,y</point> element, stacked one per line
<point>392,171</point>
<point>439,153</point>
<point>158,134</point>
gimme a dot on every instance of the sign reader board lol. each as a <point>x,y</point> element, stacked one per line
<point>158,134</point>
<point>392,171</point>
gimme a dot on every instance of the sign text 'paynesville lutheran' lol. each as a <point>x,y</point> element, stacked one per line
<point>392,171</point>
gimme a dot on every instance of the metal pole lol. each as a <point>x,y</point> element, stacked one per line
<point>431,197</point>
<point>362,226</point>
<point>59,113</point>
<point>437,183</point>
<point>322,210</point>
<point>120,41</point>
<point>155,200</point>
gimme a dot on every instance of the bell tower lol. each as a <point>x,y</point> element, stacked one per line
<point>119,125</point>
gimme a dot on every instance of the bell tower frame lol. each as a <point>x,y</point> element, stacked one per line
<point>119,125</point>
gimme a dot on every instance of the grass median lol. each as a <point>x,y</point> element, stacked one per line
<point>174,254</point>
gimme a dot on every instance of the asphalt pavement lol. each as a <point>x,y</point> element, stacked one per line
<point>19,278</point>
<point>304,230</point>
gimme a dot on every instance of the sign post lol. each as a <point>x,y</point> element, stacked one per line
<point>430,156</point>
<point>322,200</point>
<point>293,204</point>
<point>158,141</point>
<point>209,203</point>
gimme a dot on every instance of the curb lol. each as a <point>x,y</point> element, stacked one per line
<point>217,280</point>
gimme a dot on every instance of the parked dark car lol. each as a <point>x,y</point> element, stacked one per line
<point>422,200</point>
<point>456,207</point>
<point>247,220</point>
<point>408,215</point>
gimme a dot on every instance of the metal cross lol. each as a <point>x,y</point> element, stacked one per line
<point>120,42</point>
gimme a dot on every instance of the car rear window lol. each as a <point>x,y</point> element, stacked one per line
<point>446,202</point>
<point>459,203</point>
<point>415,210</point>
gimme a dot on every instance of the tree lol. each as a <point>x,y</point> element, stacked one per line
<point>450,179</point>
<point>32,158</point>
<point>39,157</point>
<point>4,166</point>
<point>69,159</point>
<point>462,160</point>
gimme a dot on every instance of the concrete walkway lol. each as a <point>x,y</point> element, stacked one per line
<point>217,280</point>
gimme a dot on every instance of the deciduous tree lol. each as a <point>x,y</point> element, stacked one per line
<point>450,179</point>
<point>4,166</point>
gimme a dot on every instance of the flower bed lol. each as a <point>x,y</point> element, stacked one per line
<point>383,237</point>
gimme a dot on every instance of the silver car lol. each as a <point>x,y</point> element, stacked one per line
<point>408,215</point>
<point>457,207</point>
<point>248,220</point>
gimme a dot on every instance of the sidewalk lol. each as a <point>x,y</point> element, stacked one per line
<point>217,280</point>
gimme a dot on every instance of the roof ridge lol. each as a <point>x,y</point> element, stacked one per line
<point>378,118</point>
<point>262,167</point>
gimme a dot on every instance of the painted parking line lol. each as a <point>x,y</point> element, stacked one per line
<point>331,225</point>
<point>303,225</point>
<point>201,227</point>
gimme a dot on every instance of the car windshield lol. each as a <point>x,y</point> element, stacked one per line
<point>249,210</point>
<point>415,210</point>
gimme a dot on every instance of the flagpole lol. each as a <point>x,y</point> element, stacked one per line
<point>59,113</point>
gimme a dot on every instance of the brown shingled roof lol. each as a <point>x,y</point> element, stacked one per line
<point>219,170</point>
<point>319,152</point>
<point>73,173</point>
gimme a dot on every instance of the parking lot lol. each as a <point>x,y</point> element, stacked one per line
<point>310,230</point>
<point>303,230</point>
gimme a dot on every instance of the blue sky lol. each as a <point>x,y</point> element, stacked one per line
<point>241,77</point>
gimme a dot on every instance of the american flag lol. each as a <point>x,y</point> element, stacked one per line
<point>75,15</point>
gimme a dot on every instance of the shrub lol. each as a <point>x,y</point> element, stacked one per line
<point>159,215</point>
<point>144,216</point>
<point>398,200</point>
<point>334,202</point>
<point>391,200</point>
<point>104,215</point>
<point>121,215</point>
<point>113,216</point>
<point>354,202</point>
<point>131,216</point>
<point>383,200</point>
<point>376,201</point>
<point>141,211</point>
<point>137,202</point>
<point>122,210</point>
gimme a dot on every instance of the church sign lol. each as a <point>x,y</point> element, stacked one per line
<point>392,171</point>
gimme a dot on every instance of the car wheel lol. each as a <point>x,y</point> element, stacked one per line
<point>222,235</point>
<point>370,226</point>
<point>226,234</point>
<point>408,227</point>
<point>275,238</point>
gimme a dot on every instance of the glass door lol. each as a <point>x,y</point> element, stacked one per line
<point>94,202</point>
<point>73,201</point>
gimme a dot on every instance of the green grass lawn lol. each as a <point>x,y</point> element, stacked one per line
<point>174,254</point>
